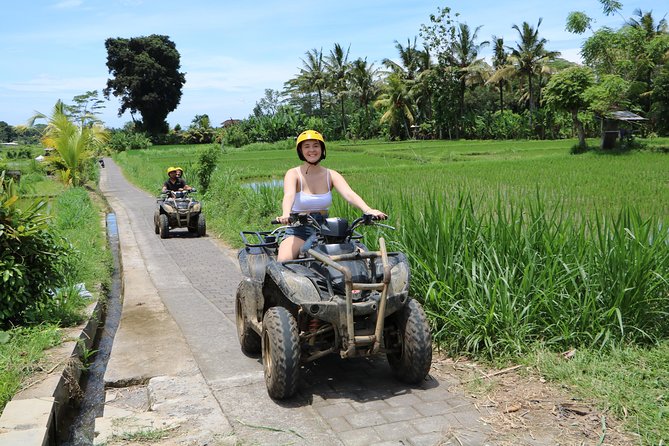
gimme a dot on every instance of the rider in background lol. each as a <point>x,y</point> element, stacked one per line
<point>180,173</point>
<point>307,188</point>
<point>173,183</point>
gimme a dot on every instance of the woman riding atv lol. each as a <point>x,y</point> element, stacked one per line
<point>307,188</point>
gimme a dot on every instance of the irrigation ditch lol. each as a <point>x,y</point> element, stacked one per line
<point>77,425</point>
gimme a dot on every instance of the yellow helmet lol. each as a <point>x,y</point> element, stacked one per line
<point>178,168</point>
<point>171,169</point>
<point>310,134</point>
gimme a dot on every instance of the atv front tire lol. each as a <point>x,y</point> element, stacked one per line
<point>280,353</point>
<point>201,225</point>
<point>410,344</point>
<point>164,226</point>
<point>156,221</point>
<point>248,338</point>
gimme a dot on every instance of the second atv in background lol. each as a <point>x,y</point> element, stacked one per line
<point>179,210</point>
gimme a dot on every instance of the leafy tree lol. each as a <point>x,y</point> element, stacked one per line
<point>7,132</point>
<point>268,105</point>
<point>74,144</point>
<point>86,108</point>
<point>609,94</point>
<point>566,91</point>
<point>146,78</point>
<point>660,96</point>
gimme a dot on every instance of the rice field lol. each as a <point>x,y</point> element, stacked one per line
<point>511,242</point>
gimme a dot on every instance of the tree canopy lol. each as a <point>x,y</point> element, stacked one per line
<point>146,78</point>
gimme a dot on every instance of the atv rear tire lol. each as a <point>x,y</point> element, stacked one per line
<point>280,353</point>
<point>201,225</point>
<point>248,338</point>
<point>411,343</point>
<point>164,226</point>
<point>156,221</point>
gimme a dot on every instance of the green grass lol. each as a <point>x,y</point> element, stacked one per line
<point>630,383</point>
<point>21,352</point>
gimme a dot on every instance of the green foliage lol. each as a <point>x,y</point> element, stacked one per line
<point>75,144</point>
<point>206,166</point>
<point>146,78</point>
<point>33,257</point>
<point>122,140</point>
<point>234,136</point>
<point>7,132</point>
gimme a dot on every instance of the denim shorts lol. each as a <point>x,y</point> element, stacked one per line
<point>304,231</point>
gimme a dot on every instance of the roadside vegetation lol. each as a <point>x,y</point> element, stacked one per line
<point>519,249</point>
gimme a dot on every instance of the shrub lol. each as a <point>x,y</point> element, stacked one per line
<point>207,165</point>
<point>33,257</point>
<point>124,140</point>
<point>234,136</point>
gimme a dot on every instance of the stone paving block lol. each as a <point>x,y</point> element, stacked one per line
<point>362,419</point>
<point>437,423</point>
<point>360,437</point>
<point>335,410</point>
<point>433,408</point>
<point>339,424</point>
<point>401,431</point>
<point>400,414</point>
<point>406,399</point>
<point>365,405</point>
<point>431,439</point>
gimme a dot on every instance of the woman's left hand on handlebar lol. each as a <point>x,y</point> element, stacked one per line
<point>284,220</point>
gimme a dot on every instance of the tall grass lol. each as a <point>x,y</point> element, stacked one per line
<point>497,277</point>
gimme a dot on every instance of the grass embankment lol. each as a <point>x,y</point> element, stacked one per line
<point>77,218</point>
<point>516,246</point>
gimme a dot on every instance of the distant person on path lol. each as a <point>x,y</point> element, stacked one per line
<point>173,183</point>
<point>307,188</point>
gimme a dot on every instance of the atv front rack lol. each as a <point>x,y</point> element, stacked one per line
<point>354,342</point>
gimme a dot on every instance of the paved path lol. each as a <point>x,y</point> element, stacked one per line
<point>192,353</point>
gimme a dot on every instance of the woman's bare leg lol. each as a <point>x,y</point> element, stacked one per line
<point>289,248</point>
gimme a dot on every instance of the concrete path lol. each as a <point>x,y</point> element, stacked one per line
<point>176,369</point>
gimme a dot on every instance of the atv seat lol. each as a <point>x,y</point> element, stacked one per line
<point>336,248</point>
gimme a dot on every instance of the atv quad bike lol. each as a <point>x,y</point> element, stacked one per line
<point>338,297</point>
<point>179,210</point>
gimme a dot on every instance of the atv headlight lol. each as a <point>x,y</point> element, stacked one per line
<point>168,207</point>
<point>196,207</point>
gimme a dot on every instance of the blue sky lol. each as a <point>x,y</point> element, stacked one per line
<point>232,51</point>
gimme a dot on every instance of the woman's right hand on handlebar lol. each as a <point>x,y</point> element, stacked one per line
<point>283,219</point>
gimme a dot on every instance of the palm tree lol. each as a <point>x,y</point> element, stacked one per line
<point>312,75</point>
<point>337,68</point>
<point>410,59</point>
<point>463,56</point>
<point>74,144</point>
<point>500,61</point>
<point>529,55</point>
<point>395,102</point>
<point>362,76</point>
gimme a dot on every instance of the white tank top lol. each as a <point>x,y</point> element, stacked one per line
<point>305,202</point>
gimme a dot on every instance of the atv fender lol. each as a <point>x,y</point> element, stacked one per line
<point>250,292</point>
<point>296,288</point>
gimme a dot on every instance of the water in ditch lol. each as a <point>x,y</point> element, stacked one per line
<point>81,430</point>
